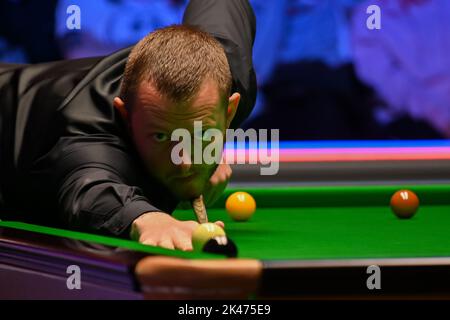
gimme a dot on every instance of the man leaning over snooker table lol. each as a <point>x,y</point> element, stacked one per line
<point>85,144</point>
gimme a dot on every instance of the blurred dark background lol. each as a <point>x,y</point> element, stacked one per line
<point>322,72</point>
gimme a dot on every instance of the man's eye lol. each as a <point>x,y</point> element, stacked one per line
<point>160,137</point>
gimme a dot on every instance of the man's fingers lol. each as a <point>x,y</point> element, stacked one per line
<point>222,174</point>
<point>220,224</point>
<point>220,177</point>
<point>229,171</point>
<point>148,242</point>
<point>166,243</point>
<point>213,180</point>
<point>183,242</point>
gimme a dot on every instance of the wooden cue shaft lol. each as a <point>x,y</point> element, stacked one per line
<point>200,209</point>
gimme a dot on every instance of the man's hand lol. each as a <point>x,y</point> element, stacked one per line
<point>217,183</point>
<point>162,230</point>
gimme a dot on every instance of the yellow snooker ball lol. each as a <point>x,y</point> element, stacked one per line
<point>205,232</point>
<point>240,206</point>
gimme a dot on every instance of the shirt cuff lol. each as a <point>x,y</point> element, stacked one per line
<point>120,223</point>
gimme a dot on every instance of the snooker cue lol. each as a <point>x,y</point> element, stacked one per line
<point>200,209</point>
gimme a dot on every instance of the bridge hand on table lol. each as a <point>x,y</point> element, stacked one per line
<point>162,230</point>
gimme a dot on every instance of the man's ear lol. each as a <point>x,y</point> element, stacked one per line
<point>119,104</point>
<point>233,103</point>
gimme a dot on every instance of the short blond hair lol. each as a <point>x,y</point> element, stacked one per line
<point>176,59</point>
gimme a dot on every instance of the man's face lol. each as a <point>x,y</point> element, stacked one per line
<point>152,121</point>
